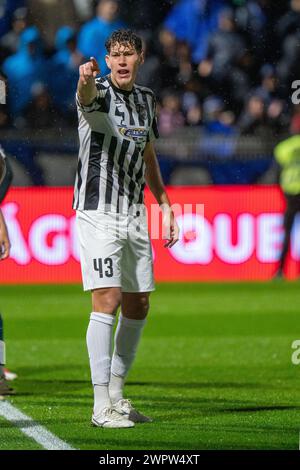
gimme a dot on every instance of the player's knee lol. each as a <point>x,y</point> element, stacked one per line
<point>108,305</point>
<point>138,308</point>
<point>144,305</point>
<point>106,300</point>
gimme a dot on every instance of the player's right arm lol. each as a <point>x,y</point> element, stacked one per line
<point>86,88</point>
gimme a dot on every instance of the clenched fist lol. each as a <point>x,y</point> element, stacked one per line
<point>88,71</point>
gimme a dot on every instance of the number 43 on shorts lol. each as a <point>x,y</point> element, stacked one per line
<point>104,267</point>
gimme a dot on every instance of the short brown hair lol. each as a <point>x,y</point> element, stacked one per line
<point>124,37</point>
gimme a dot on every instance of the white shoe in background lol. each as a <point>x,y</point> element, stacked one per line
<point>125,408</point>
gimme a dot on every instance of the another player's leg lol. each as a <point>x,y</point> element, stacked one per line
<point>99,343</point>
<point>5,389</point>
<point>134,309</point>
<point>288,221</point>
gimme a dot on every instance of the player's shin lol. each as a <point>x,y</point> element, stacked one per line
<point>99,344</point>
<point>127,337</point>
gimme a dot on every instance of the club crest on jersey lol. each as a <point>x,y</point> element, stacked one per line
<point>138,134</point>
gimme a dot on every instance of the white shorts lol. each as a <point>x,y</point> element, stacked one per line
<point>115,251</point>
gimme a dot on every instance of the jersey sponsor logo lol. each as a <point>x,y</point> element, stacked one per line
<point>138,134</point>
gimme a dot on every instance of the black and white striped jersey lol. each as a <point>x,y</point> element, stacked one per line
<point>113,132</point>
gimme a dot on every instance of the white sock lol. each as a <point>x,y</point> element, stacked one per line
<point>2,353</point>
<point>99,344</point>
<point>101,398</point>
<point>116,386</point>
<point>127,336</point>
<point>2,344</point>
<point>2,357</point>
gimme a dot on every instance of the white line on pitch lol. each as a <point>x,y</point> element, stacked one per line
<point>31,428</point>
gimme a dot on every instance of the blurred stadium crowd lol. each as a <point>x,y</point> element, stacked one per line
<point>224,66</point>
<point>206,60</point>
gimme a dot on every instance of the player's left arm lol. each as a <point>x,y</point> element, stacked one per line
<point>6,175</point>
<point>2,165</point>
<point>155,182</point>
<point>4,239</point>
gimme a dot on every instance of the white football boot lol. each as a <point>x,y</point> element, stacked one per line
<point>110,418</point>
<point>124,407</point>
<point>9,375</point>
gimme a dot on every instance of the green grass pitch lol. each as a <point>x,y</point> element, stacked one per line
<point>214,367</point>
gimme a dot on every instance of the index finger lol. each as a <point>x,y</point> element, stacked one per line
<point>95,64</point>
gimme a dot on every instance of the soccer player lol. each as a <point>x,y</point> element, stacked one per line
<point>287,154</point>
<point>117,128</point>
<point>5,389</point>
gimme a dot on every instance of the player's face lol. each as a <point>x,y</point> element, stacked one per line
<point>123,61</point>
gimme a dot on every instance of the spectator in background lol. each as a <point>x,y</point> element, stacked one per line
<point>275,106</point>
<point>288,31</point>
<point>23,69</point>
<point>289,23</point>
<point>170,116</point>
<point>216,120</point>
<point>194,115</point>
<point>7,9</point>
<point>167,56</point>
<point>268,87</point>
<point>145,15</point>
<point>10,42</point>
<point>149,73</point>
<point>222,63</point>
<point>217,142</point>
<point>175,61</point>
<point>289,65</point>
<point>194,21</point>
<point>93,34</point>
<point>295,120</point>
<point>277,116</point>
<point>49,15</point>
<point>251,18</point>
<point>41,114</point>
<point>184,62</point>
<point>253,21</point>
<point>191,103</point>
<point>63,69</point>
<point>253,119</point>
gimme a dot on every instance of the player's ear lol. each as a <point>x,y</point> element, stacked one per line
<point>142,58</point>
<point>107,60</point>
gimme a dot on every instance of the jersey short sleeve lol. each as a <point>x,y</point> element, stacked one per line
<point>98,102</point>
<point>153,133</point>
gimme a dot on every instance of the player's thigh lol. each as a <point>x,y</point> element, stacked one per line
<point>137,264</point>
<point>135,305</point>
<point>100,250</point>
<point>106,300</point>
